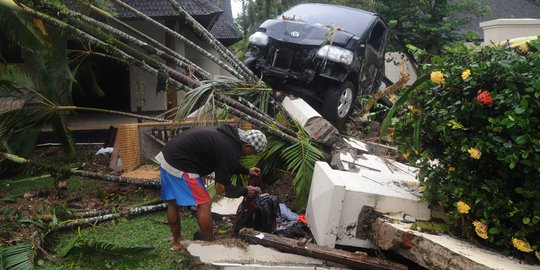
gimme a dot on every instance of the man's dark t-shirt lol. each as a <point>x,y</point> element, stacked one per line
<point>204,150</point>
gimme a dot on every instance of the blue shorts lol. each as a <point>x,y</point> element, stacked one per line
<point>187,191</point>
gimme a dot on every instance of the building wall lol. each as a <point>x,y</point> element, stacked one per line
<point>504,29</point>
<point>143,84</point>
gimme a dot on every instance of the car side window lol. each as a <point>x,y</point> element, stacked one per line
<point>377,36</point>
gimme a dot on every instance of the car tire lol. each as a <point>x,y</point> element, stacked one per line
<point>339,102</point>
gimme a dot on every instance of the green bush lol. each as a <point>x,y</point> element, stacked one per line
<point>474,132</point>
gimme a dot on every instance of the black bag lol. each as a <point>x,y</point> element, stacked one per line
<point>259,213</point>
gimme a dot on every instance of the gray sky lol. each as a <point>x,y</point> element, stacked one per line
<point>236,7</point>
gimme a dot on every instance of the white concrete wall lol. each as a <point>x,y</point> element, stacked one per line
<point>337,197</point>
<point>503,29</point>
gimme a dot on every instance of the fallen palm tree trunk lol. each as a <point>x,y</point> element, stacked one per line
<point>258,123</point>
<point>179,80</point>
<point>188,64</point>
<point>93,220</point>
<point>167,56</point>
<point>183,39</point>
<point>116,178</point>
<point>256,114</point>
<point>347,258</point>
<point>210,39</point>
<point>87,174</point>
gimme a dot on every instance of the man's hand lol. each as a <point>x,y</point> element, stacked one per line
<point>253,191</point>
<point>255,171</point>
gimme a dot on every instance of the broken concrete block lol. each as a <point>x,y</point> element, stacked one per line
<point>438,251</point>
<point>226,206</point>
<point>228,256</point>
<point>337,197</point>
<point>313,123</point>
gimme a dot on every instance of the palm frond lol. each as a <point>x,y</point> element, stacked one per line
<point>93,248</point>
<point>13,81</point>
<point>16,257</point>
<point>61,129</point>
<point>19,29</point>
<point>300,160</point>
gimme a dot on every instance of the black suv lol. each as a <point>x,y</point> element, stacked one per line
<point>326,54</point>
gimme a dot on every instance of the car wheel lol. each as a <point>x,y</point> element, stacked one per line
<point>339,102</point>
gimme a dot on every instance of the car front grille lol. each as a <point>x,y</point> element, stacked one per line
<point>293,58</point>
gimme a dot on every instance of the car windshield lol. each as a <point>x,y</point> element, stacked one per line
<point>349,19</point>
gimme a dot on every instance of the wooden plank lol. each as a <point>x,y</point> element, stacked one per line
<point>356,261</point>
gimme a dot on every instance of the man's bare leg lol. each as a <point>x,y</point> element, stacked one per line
<point>174,223</point>
<point>204,217</point>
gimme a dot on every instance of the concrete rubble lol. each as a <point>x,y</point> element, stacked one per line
<point>439,251</point>
<point>251,257</point>
<point>363,183</point>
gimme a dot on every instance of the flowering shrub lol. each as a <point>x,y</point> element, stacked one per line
<point>473,127</point>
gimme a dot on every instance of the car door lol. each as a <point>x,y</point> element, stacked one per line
<point>373,64</point>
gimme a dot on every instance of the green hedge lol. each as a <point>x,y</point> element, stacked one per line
<point>473,129</point>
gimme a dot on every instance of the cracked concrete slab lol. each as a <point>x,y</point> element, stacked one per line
<point>250,257</point>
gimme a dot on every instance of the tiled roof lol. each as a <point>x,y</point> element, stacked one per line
<point>224,29</point>
<point>503,9</point>
<point>162,8</point>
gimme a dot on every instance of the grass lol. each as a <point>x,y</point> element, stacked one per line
<point>145,230</point>
<point>17,187</point>
<point>148,230</point>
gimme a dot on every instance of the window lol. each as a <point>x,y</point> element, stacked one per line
<point>377,35</point>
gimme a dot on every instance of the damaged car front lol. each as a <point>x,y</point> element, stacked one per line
<point>326,54</point>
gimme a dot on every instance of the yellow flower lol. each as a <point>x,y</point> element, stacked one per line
<point>451,169</point>
<point>521,245</point>
<point>463,208</point>
<point>465,74</point>
<point>537,255</point>
<point>480,229</point>
<point>437,77</point>
<point>475,153</point>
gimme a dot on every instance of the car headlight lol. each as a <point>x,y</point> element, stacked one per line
<point>259,38</point>
<point>336,54</point>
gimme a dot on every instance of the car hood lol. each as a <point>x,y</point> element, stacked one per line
<point>308,34</point>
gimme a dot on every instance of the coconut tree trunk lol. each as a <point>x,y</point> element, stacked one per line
<point>93,220</point>
<point>255,114</point>
<point>138,116</point>
<point>189,65</point>
<point>258,123</point>
<point>117,179</point>
<point>114,51</point>
<point>182,38</point>
<point>222,50</point>
<point>156,49</point>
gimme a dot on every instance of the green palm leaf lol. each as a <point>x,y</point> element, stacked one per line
<point>300,160</point>
<point>94,248</point>
<point>16,257</point>
<point>19,29</point>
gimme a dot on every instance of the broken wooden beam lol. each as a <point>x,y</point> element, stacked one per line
<point>357,261</point>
